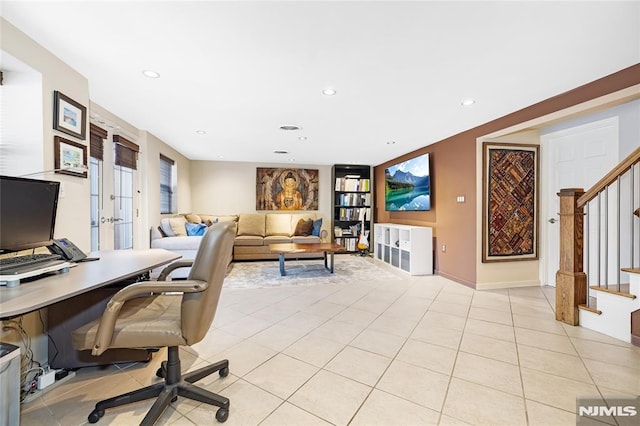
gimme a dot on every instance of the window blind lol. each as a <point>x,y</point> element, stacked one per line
<point>166,184</point>
<point>126,152</point>
<point>97,135</point>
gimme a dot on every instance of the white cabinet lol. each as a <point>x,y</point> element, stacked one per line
<point>409,248</point>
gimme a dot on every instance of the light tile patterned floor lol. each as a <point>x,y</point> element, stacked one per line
<point>415,350</point>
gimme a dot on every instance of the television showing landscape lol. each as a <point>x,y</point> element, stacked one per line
<point>407,185</point>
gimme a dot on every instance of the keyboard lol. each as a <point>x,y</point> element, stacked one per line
<point>20,264</point>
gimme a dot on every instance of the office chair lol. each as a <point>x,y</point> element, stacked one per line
<point>142,315</point>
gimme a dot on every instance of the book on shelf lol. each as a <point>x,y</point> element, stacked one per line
<point>355,199</point>
<point>352,213</point>
<point>351,184</point>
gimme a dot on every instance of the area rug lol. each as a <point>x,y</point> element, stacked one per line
<point>265,274</point>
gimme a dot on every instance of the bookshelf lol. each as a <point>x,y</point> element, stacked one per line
<point>352,200</point>
<point>408,248</point>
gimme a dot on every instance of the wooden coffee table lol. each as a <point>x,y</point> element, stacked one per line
<point>326,248</point>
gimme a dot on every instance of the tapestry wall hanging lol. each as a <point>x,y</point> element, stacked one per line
<point>286,189</point>
<point>510,202</point>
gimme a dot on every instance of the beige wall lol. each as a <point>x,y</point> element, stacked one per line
<point>155,147</point>
<point>73,218</point>
<point>230,187</point>
<point>505,274</point>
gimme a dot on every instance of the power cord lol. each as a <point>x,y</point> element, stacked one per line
<point>26,358</point>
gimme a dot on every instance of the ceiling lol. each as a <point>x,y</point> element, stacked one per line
<point>239,70</point>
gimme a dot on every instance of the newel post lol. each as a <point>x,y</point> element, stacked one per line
<point>571,281</point>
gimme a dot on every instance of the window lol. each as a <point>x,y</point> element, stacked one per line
<point>167,201</point>
<point>97,135</point>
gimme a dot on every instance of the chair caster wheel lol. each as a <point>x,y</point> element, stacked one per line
<point>224,372</point>
<point>160,373</point>
<point>222,415</point>
<point>95,416</point>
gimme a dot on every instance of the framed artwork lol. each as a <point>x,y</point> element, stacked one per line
<point>510,202</point>
<point>286,189</point>
<point>69,158</point>
<point>69,116</point>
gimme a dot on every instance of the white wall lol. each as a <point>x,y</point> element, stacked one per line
<point>20,118</point>
<point>628,115</point>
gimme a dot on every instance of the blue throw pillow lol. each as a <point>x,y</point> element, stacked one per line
<point>317,224</point>
<point>195,229</point>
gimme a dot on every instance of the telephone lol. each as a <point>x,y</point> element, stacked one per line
<point>67,249</point>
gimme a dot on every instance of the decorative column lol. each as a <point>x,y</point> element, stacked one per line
<point>571,281</point>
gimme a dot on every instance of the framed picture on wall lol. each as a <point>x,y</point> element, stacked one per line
<point>286,189</point>
<point>510,202</point>
<point>69,158</point>
<point>69,116</point>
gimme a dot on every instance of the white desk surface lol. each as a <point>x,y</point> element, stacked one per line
<point>113,266</point>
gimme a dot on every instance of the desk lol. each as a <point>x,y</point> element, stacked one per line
<point>113,266</point>
<point>78,296</point>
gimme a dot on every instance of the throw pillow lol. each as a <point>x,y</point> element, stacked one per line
<point>177,225</point>
<point>304,227</point>
<point>252,224</point>
<point>317,224</point>
<point>195,229</point>
<point>193,218</point>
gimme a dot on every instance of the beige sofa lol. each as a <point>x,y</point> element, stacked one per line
<point>254,233</point>
<point>257,230</point>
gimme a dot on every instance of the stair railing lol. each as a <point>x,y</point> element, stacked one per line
<point>600,231</point>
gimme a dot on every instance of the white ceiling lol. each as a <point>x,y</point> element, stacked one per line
<point>239,70</point>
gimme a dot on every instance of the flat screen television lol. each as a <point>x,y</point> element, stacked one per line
<point>407,185</point>
<point>27,213</point>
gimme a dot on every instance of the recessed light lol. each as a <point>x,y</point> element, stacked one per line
<point>280,152</point>
<point>391,142</point>
<point>151,74</point>
<point>468,102</point>
<point>201,132</point>
<point>302,138</point>
<point>329,92</point>
<point>289,128</point>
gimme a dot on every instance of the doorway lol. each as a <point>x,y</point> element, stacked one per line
<point>575,158</point>
<point>114,182</point>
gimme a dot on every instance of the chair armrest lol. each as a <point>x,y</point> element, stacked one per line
<point>155,234</point>
<point>143,288</point>
<point>173,266</point>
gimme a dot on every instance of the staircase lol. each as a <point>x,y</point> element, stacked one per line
<point>611,311</point>
<point>600,233</point>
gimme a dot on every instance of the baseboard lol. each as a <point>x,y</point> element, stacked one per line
<point>507,284</point>
<point>459,280</point>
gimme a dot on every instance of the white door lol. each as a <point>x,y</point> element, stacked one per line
<point>575,158</point>
<point>113,196</point>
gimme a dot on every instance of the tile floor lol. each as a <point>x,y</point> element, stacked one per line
<point>409,351</point>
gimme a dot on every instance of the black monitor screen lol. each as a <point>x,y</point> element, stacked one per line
<point>27,212</point>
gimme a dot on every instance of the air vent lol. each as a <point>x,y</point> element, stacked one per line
<point>289,128</point>
<point>280,152</point>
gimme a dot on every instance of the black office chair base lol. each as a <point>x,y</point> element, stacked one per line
<point>168,391</point>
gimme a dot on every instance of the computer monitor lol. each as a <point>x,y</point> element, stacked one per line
<point>27,213</point>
